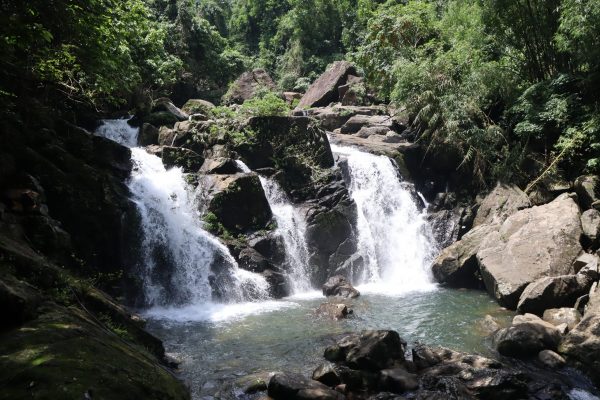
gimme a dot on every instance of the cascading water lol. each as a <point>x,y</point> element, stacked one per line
<point>291,226</point>
<point>393,238</point>
<point>177,256</point>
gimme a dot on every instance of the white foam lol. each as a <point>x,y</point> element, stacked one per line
<point>580,394</point>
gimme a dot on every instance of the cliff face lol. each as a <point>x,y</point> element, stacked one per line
<point>63,212</point>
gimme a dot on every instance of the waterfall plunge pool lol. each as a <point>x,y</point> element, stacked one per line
<point>216,344</point>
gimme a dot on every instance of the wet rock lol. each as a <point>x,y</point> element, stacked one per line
<point>197,106</point>
<point>187,159</point>
<point>161,119</point>
<point>369,350</point>
<point>251,260</point>
<point>238,201</point>
<point>558,316</point>
<point>489,325</point>
<point>501,203</point>
<point>278,286</point>
<point>334,375</point>
<point>587,187</point>
<point>334,311</point>
<point>527,337</point>
<point>148,135</point>
<point>247,85</point>
<point>325,89</point>
<point>287,386</point>
<point>531,244</point>
<point>339,286</point>
<point>551,359</point>
<point>590,222</point>
<point>397,380</point>
<point>220,166</point>
<point>332,118</point>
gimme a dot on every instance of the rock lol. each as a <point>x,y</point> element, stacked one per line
<point>338,286</point>
<point>220,166</point>
<point>165,105</point>
<point>375,144</point>
<point>334,311</point>
<point>247,85</point>
<point>287,386</point>
<point>161,118</point>
<point>291,97</point>
<point>367,131</point>
<point>325,89</point>
<point>590,222</point>
<point>251,260</point>
<point>554,292</point>
<point>489,325</point>
<point>457,265</point>
<point>559,316</point>
<point>586,188</point>
<point>526,339</point>
<point>581,346</point>
<point>360,122</point>
<point>18,301</point>
<point>335,117</point>
<point>587,261</point>
<point>181,157</point>
<point>334,375</point>
<point>197,106</point>
<point>148,135</point>
<point>369,350</point>
<point>238,201</point>
<point>533,243</point>
<point>397,380</point>
<point>551,359</point>
<point>501,203</point>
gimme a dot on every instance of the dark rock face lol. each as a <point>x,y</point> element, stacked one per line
<point>526,339</point>
<point>553,292</point>
<point>587,188</point>
<point>339,286</point>
<point>165,105</point>
<point>325,89</point>
<point>187,159</point>
<point>148,135</point>
<point>246,86</point>
<point>284,386</point>
<point>197,106</point>
<point>239,202</point>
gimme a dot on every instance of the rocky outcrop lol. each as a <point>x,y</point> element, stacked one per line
<point>334,117</point>
<point>587,188</point>
<point>247,85</point>
<point>238,202</point>
<point>338,285</point>
<point>197,106</point>
<point>562,316</point>
<point>186,159</point>
<point>165,105</point>
<point>296,387</point>
<point>590,223</point>
<point>533,243</point>
<point>325,89</point>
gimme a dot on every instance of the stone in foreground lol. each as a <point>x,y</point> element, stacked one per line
<point>338,285</point>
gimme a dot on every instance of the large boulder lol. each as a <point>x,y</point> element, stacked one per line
<point>338,285</point>
<point>531,244</point>
<point>334,311</point>
<point>165,105</point>
<point>325,89</point>
<point>562,316</point>
<point>457,265</point>
<point>238,202</point>
<point>360,122</point>
<point>527,337</point>
<point>501,203</point>
<point>553,292</point>
<point>197,106</point>
<point>247,85</point>
<point>590,223</point>
<point>587,187</point>
<point>369,350</point>
<point>581,346</point>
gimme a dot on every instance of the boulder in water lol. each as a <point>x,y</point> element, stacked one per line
<point>220,166</point>
<point>288,386</point>
<point>527,336</point>
<point>338,285</point>
<point>551,359</point>
<point>325,89</point>
<point>148,135</point>
<point>334,311</point>
<point>333,375</point>
<point>369,350</point>
<point>397,380</point>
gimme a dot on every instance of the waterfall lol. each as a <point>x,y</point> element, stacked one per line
<point>178,258</point>
<point>393,237</point>
<point>291,227</point>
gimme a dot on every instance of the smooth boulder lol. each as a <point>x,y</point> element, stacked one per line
<point>526,337</point>
<point>334,311</point>
<point>325,89</point>
<point>288,386</point>
<point>247,85</point>
<point>534,243</point>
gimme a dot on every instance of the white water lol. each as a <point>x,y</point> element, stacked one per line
<point>291,226</point>
<point>393,236</point>
<point>172,235</point>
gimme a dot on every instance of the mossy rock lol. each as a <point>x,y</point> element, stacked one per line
<point>161,118</point>
<point>65,353</point>
<point>187,159</point>
<point>197,106</point>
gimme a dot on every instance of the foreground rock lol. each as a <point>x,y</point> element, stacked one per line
<point>531,244</point>
<point>334,311</point>
<point>527,336</point>
<point>338,285</point>
<point>296,387</point>
<point>325,89</point>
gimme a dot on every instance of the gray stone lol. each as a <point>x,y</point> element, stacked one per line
<point>551,359</point>
<point>325,89</point>
<point>552,292</point>
<point>534,243</point>
<point>247,85</point>
<point>397,380</point>
<point>586,188</point>
<point>558,316</point>
<point>590,222</point>
<point>288,386</point>
<point>338,285</point>
<point>501,203</point>
<point>526,339</point>
<point>334,311</point>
